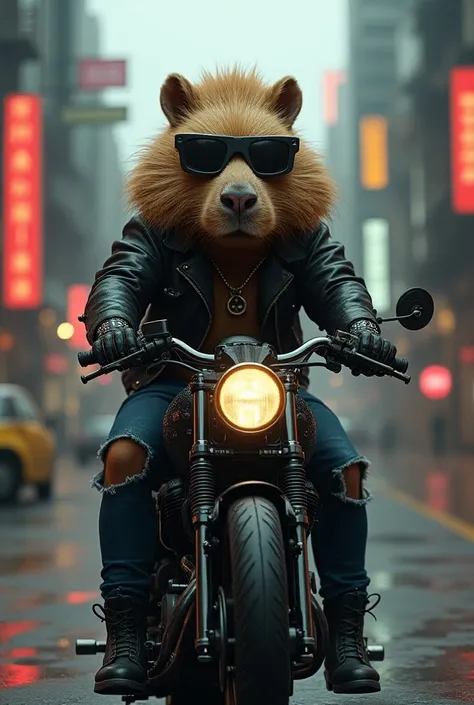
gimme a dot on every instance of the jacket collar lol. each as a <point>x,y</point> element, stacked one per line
<point>289,250</point>
<point>274,278</point>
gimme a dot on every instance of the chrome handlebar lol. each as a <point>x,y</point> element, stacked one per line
<point>155,349</point>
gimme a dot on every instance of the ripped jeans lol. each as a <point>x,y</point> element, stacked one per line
<point>128,522</point>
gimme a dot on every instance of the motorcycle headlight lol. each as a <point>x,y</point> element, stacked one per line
<point>250,397</point>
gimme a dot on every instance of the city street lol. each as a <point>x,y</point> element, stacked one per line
<point>284,175</point>
<point>421,561</point>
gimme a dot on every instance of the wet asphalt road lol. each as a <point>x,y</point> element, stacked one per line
<point>49,570</point>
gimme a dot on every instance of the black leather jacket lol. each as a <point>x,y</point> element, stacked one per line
<point>159,270</point>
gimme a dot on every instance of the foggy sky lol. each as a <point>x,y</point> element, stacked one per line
<point>158,37</point>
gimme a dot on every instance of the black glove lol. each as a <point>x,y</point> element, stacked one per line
<point>371,344</point>
<point>115,339</point>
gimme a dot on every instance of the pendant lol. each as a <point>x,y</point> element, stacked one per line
<point>236,305</point>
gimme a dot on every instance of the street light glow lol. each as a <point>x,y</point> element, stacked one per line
<point>65,331</point>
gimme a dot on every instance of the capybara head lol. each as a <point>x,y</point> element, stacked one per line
<point>233,201</point>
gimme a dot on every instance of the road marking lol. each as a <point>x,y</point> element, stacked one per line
<point>457,526</point>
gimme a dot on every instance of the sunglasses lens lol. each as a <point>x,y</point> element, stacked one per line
<point>205,155</point>
<point>269,156</point>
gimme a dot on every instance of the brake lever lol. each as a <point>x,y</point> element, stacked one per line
<point>389,371</point>
<point>340,344</point>
<point>125,363</point>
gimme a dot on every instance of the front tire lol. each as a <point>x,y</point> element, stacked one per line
<point>262,654</point>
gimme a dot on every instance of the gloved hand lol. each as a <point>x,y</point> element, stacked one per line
<point>114,339</point>
<point>371,344</point>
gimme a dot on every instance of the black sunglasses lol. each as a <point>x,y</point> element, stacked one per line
<point>208,155</point>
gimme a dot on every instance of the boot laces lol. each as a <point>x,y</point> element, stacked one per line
<point>122,630</point>
<point>351,630</point>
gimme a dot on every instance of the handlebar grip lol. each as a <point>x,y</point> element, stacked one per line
<point>86,358</point>
<point>400,364</point>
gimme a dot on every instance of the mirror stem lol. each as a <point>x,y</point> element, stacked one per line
<point>416,313</point>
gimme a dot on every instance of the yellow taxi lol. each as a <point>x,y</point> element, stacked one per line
<point>27,447</point>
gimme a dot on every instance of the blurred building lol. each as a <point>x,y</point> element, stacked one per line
<point>82,185</point>
<point>391,150</point>
<point>335,389</point>
<point>434,231</point>
<point>18,45</point>
<point>339,118</point>
<point>358,156</point>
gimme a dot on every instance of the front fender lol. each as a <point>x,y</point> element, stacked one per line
<point>255,488</point>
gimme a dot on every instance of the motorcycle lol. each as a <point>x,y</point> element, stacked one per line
<point>233,609</point>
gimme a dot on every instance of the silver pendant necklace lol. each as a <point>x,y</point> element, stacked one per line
<point>236,303</point>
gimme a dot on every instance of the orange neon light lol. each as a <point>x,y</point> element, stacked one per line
<point>374,174</point>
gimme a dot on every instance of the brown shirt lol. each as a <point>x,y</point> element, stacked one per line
<point>224,324</point>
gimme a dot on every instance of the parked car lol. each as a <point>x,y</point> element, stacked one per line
<point>93,434</point>
<point>27,446</point>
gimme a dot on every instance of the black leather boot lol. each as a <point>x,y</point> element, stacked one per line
<point>124,669</point>
<point>348,668</point>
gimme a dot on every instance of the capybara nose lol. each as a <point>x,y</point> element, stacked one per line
<point>238,197</point>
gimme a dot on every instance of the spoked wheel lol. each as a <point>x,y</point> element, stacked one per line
<point>259,619</point>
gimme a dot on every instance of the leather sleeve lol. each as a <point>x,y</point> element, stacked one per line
<point>333,296</point>
<point>125,285</point>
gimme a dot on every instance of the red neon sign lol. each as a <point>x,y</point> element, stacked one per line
<point>435,382</point>
<point>76,300</point>
<point>332,81</point>
<point>22,203</point>
<point>462,139</point>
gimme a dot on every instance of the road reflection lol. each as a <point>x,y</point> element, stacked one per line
<point>443,484</point>
<point>49,565</point>
<point>23,666</point>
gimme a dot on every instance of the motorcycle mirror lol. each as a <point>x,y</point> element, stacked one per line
<point>415,309</point>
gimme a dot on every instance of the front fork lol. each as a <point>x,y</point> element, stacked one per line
<point>304,637</point>
<point>203,498</point>
<point>295,490</point>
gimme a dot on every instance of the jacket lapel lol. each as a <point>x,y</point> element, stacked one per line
<point>274,278</point>
<point>198,272</point>
<point>197,269</point>
<point>275,275</point>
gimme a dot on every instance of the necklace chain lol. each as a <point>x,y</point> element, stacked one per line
<point>237,290</point>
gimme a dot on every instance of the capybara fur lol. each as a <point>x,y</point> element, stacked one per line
<point>231,102</point>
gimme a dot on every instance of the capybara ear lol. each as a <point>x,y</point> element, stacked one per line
<point>177,98</point>
<point>286,99</point>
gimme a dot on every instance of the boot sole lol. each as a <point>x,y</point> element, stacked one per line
<point>354,687</point>
<point>120,686</point>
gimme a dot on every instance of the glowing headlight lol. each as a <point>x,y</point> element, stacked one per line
<point>250,397</point>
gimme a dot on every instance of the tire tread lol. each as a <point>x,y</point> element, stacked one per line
<point>262,648</point>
